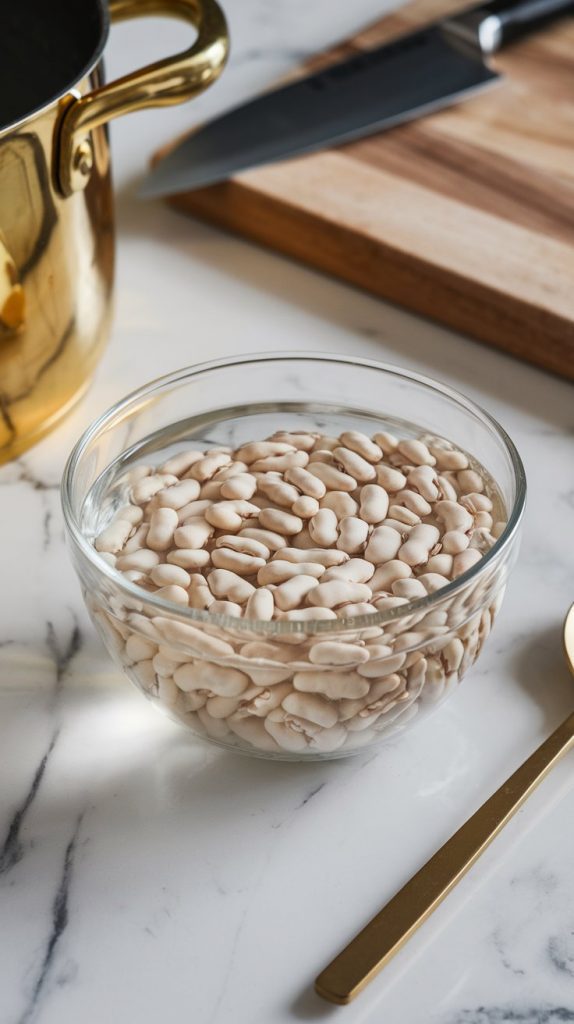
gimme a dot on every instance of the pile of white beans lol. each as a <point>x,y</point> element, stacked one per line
<point>301,528</point>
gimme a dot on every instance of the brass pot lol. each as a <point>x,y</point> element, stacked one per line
<point>56,210</point>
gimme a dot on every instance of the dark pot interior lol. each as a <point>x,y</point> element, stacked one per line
<point>46,46</point>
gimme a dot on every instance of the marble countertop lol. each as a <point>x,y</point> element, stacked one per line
<point>146,877</point>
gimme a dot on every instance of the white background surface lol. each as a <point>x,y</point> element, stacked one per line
<point>147,878</point>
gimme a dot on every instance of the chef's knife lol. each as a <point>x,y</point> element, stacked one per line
<point>372,91</point>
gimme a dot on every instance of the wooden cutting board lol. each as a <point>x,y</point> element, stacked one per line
<point>466,216</point>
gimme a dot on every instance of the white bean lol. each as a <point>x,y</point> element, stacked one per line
<point>179,495</point>
<point>142,561</point>
<point>243,485</point>
<point>150,485</point>
<point>194,534</point>
<point>322,455</point>
<point>221,707</point>
<point>447,457</point>
<point>327,558</point>
<point>280,727</point>
<point>411,589</point>
<point>323,527</point>
<point>454,516</point>
<point>168,575</point>
<point>386,575</point>
<point>193,510</point>
<point>432,581</point>
<point>390,479</point>
<point>374,503</point>
<point>112,539</point>
<point>306,482</point>
<point>483,520</point>
<point>441,563</point>
<point>236,561</point>
<point>132,513</point>
<point>137,540</point>
<point>210,491</point>
<point>229,515</point>
<point>475,503</point>
<point>446,488</point>
<point>333,652</point>
<point>290,594</point>
<point>278,491</point>
<point>253,732</point>
<point>260,605</point>
<point>401,514</point>
<point>272,541</point>
<point>204,469</point>
<point>309,614</point>
<point>255,450</point>
<point>230,608</point>
<point>336,685</point>
<point>360,443</point>
<point>383,545</point>
<point>279,571</point>
<point>280,463</point>
<point>312,707</point>
<point>245,545</point>
<point>189,558</point>
<point>454,541</point>
<point>465,561</point>
<point>280,522</point>
<point>414,502</point>
<point>338,592</point>
<point>333,478</point>
<point>174,594</point>
<point>356,570</point>
<point>354,464</point>
<point>351,611</point>
<point>423,479</point>
<point>469,480</point>
<point>305,507</point>
<point>179,464</point>
<point>139,649</point>
<point>421,539</point>
<point>386,442</point>
<point>341,503</point>
<point>200,595</point>
<point>162,526</point>
<point>217,679</point>
<point>236,468</point>
<point>190,636</point>
<point>416,452</point>
<point>353,534</point>
<point>228,585</point>
<point>145,674</point>
<point>298,439</point>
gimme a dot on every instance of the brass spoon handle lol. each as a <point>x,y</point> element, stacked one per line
<point>384,935</point>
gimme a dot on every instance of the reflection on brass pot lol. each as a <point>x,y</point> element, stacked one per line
<point>56,223</point>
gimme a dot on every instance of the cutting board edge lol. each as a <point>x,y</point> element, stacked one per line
<point>409,282</point>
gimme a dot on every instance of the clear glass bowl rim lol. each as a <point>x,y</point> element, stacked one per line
<point>277,627</point>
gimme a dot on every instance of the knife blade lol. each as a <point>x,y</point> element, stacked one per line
<point>377,89</point>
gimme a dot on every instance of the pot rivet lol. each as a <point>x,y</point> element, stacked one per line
<point>83,161</point>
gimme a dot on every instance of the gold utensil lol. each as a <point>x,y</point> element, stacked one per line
<point>384,935</point>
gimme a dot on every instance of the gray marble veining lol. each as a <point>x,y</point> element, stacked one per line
<point>144,877</point>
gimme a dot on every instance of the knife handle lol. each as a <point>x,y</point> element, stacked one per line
<point>498,22</point>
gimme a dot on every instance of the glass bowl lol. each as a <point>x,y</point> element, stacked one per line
<point>226,678</point>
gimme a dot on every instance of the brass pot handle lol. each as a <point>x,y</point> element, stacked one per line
<point>167,81</point>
